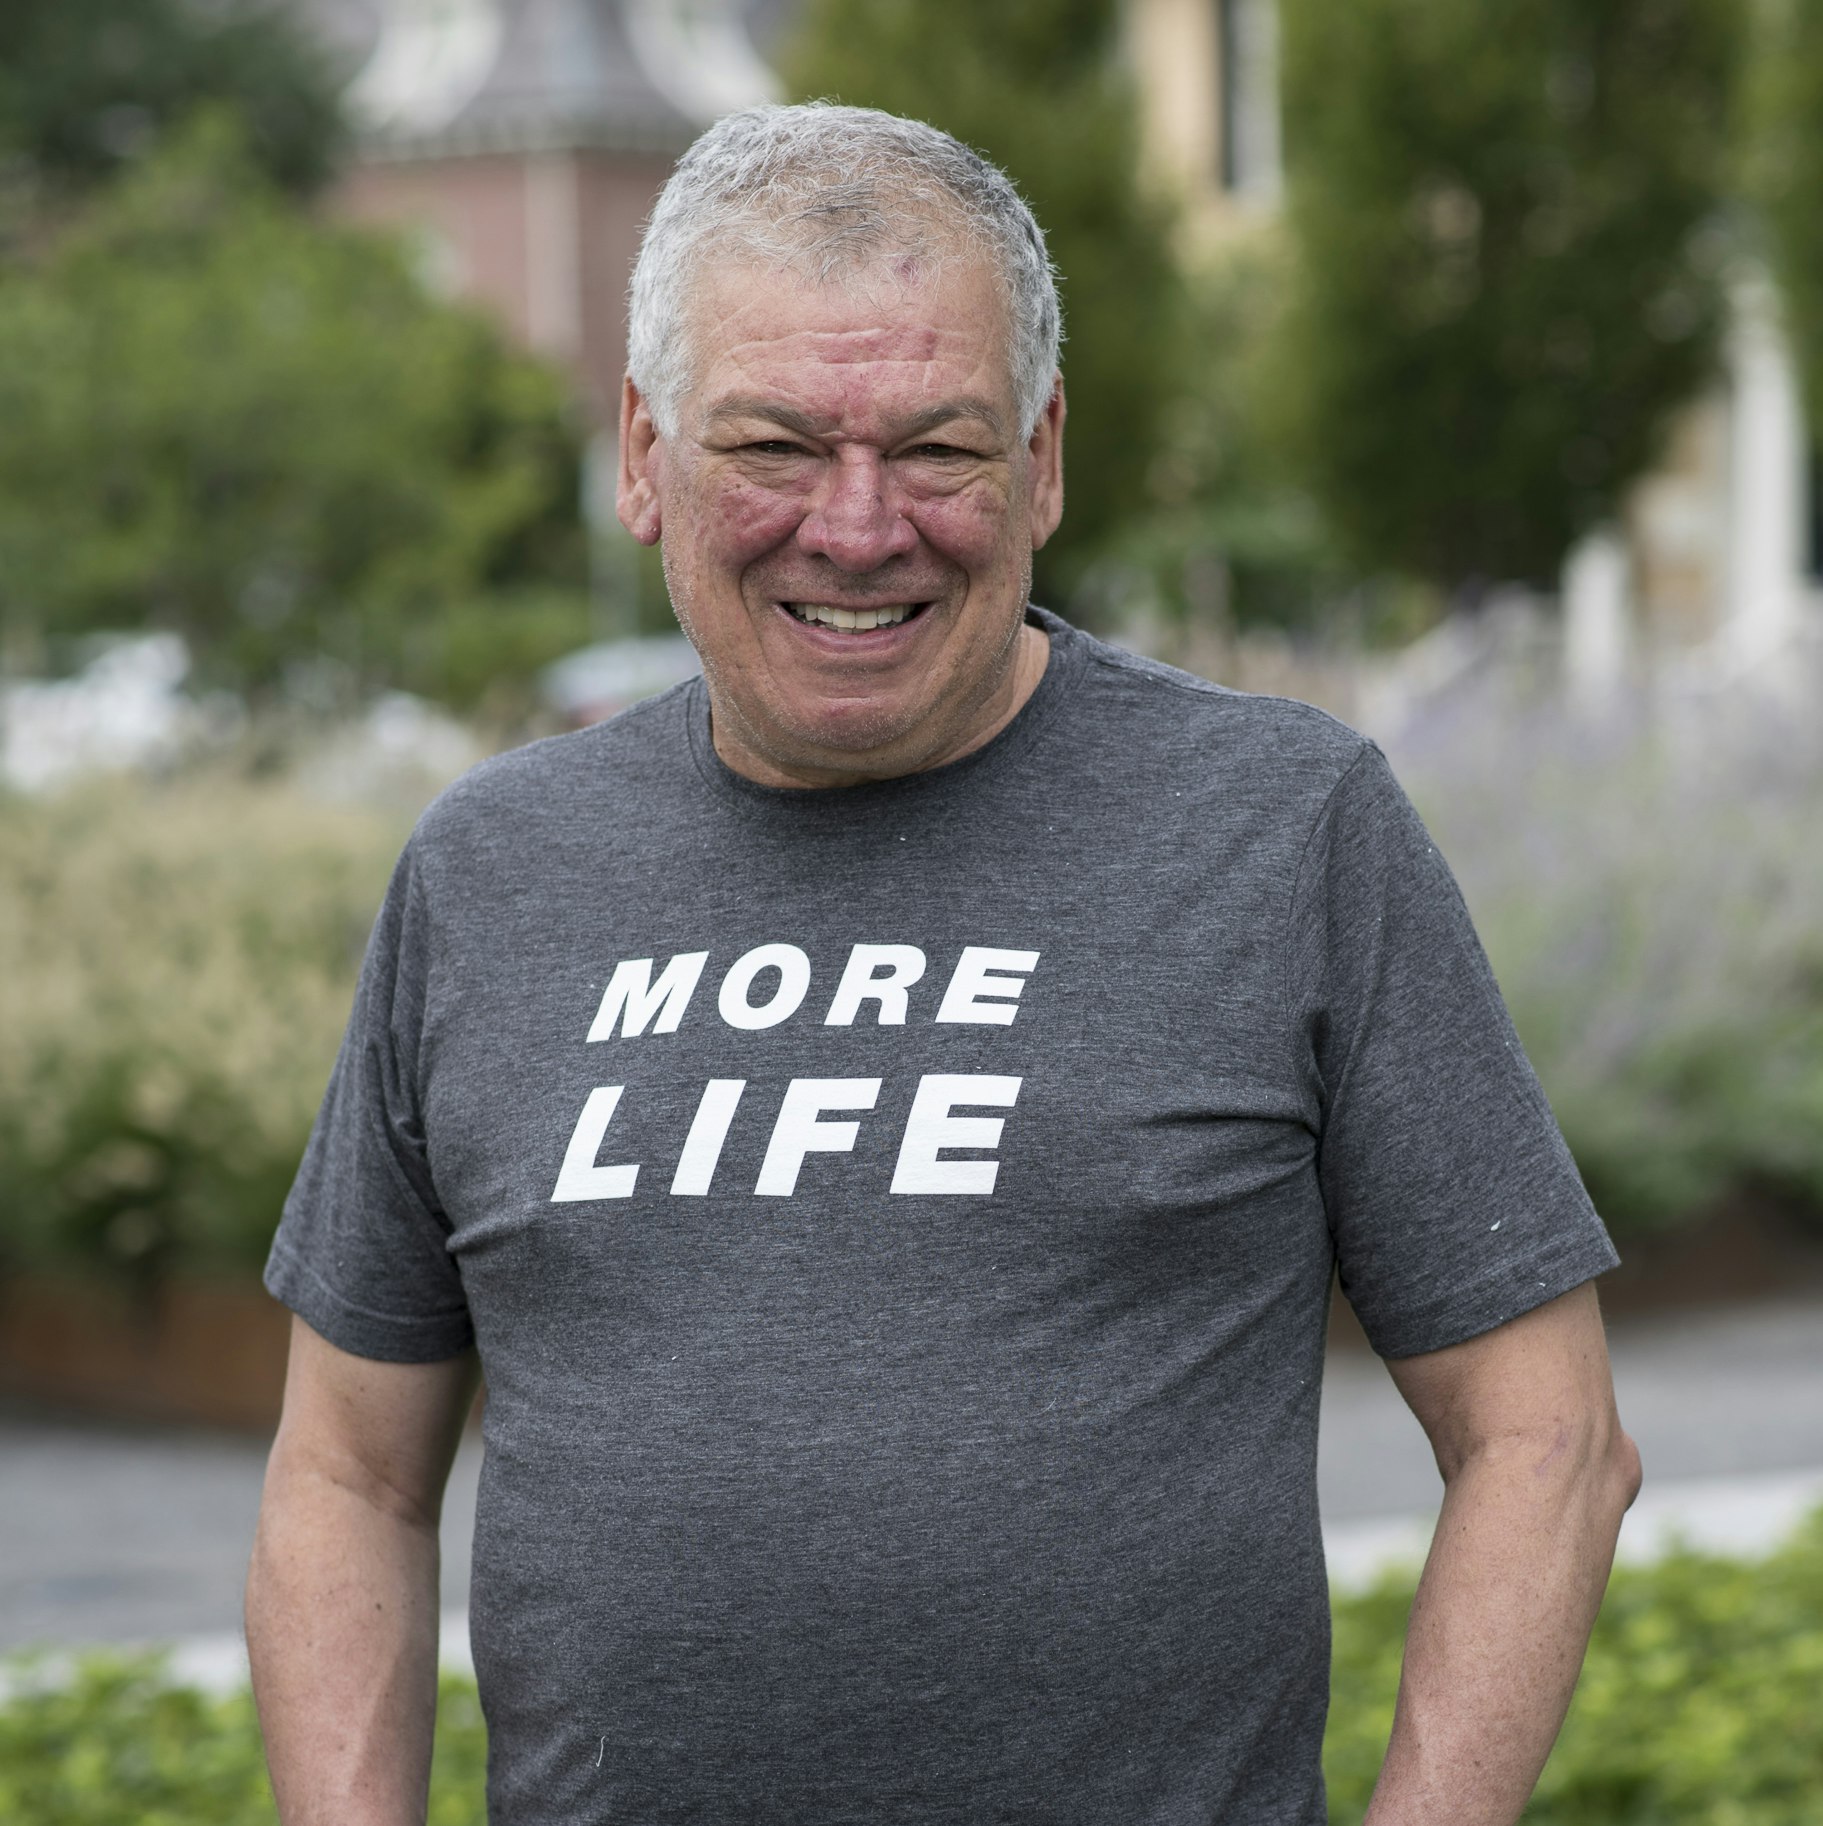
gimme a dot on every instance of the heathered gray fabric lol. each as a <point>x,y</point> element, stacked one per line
<point>954,1505</point>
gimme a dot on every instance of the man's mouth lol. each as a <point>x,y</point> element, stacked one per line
<point>851,621</point>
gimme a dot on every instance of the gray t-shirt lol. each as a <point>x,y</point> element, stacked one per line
<point>897,1227</point>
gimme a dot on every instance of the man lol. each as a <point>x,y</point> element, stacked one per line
<point>885,1116</point>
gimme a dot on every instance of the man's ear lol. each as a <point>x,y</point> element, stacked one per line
<point>636,490</point>
<point>1046,455</point>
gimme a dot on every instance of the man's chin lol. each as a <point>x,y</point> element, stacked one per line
<point>843,742</point>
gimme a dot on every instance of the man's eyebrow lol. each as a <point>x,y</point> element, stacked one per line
<point>788,418</point>
<point>966,408</point>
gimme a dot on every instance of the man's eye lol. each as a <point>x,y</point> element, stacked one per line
<point>774,447</point>
<point>938,453</point>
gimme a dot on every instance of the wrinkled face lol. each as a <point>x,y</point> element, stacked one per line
<point>848,515</point>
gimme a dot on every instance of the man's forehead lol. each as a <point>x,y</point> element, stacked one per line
<point>927,345</point>
<point>745,338</point>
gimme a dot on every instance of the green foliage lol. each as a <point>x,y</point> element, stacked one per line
<point>1696,1708</point>
<point>1786,171</point>
<point>1697,1705</point>
<point>86,86</point>
<point>1231,537</point>
<point>1036,86</point>
<point>1508,269</point>
<point>121,1745</point>
<point>223,418</point>
<point>1652,903</point>
<point>179,962</point>
<point>482,655</point>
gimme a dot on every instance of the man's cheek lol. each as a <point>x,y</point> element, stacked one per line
<point>741,523</point>
<point>969,526</point>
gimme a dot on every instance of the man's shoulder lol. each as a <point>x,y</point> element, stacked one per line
<point>1164,711</point>
<point>578,779</point>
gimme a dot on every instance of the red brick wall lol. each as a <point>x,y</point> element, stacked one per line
<point>493,235</point>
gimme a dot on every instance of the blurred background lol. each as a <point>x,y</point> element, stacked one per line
<point>1454,364</point>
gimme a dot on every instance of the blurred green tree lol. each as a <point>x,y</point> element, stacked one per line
<point>1234,538</point>
<point>222,417</point>
<point>1786,172</point>
<point>1037,86</point>
<point>1507,269</point>
<point>88,86</point>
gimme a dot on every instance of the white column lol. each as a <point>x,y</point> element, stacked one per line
<point>1597,587</point>
<point>1766,481</point>
<point>1251,89</point>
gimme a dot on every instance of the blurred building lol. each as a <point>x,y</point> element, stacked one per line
<point>522,143</point>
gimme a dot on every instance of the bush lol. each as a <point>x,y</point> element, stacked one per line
<point>1695,1709</point>
<point>481,656</point>
<point>223,418</point>
<point>1651,895</point>
<point>121,1745</point>
<point>179,961</point>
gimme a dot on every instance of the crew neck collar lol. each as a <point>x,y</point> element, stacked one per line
<point>1063,667</point>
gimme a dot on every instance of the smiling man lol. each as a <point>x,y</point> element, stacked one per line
<point>884,1118</point>
<point>849,494</point>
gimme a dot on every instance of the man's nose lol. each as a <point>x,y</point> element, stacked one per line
<point>856,519</point>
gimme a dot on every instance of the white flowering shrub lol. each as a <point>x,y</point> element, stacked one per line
<point>178,961</point>
<point>1649,884</point>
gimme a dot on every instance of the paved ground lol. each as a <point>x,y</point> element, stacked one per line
<point>113,1536</point>
<point>1727,1408</point>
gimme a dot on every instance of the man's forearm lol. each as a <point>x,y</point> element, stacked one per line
<point>342,1636</point>
<point>1498,1629</point>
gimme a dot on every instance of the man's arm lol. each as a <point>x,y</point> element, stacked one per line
<point>342,1592</point>
<point>1537,1476</point>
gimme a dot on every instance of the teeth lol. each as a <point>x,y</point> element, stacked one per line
<point>854,620</point>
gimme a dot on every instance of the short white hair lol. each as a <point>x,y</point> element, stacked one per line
<point>829,191</point>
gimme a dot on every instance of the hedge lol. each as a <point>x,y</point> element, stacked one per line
<point>178,959</point>
<point>122,1745</point>
<point>1698,1704</point>
<point>1698,1707</point>
<point>1649,885</point>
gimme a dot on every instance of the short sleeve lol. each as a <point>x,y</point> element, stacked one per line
<point>361,1253</point>
<point>1450,1194</point>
